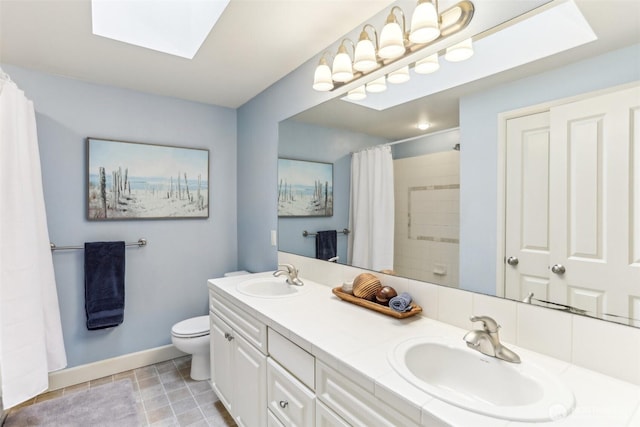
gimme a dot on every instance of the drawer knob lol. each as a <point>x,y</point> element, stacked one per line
<point>228,336</point>
<point>284,404</point>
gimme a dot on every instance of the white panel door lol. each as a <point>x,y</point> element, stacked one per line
<point>527,205</point>
<point>595,203</point>
<point>573,205</point>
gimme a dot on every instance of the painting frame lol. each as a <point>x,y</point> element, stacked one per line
<point>153,181</point>
<point>305,188</point>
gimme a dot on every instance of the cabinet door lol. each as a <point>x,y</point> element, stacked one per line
<point>250,384</point>
<point>325,417</point>
<point>221,361</point>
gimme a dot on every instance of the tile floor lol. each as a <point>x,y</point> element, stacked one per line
<point>165,394</point>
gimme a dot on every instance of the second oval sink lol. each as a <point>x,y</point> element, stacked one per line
<point>269,287</point>
<point>449,371</point>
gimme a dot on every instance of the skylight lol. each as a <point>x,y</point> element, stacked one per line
<point>549,32</point>
<point>176,27</point>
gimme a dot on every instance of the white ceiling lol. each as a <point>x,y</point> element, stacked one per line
<point>254,44</point>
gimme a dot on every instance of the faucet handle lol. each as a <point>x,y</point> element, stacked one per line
<point>290,268</point>
<point>488,323</point>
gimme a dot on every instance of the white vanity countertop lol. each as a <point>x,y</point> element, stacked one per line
<point>355,341</point>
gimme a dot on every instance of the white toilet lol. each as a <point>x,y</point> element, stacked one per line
<point>192,336</point>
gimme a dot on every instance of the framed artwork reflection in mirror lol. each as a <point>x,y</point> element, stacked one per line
<point>305,188</point>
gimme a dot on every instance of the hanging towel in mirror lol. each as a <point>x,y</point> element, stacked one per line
<point>326,244</point>
<point>104,284</point>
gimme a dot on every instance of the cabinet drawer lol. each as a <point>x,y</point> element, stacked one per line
<point>294,359</point>
<point>246,325</point>
<point>289,400</point>
<point>354,404</point>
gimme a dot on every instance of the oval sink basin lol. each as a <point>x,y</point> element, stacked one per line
<point>450,371</point>
<point>269,287</point>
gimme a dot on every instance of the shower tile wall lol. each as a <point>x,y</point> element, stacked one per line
<point>427,191</point>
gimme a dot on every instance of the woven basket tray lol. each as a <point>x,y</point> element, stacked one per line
<point>415,308</point>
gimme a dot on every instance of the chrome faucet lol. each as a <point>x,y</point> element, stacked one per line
<point>486,341</point>
<point>291,272</point>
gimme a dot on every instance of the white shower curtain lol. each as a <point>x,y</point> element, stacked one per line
<point>31,343</point>
<point>372,209</point>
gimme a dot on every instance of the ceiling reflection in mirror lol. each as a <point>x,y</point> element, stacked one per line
<point>446,178</point>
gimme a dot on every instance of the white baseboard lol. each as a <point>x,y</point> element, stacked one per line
<point>104,368</point>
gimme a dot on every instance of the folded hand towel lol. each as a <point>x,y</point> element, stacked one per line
<point>401,302</point>
<point>104,284</point>
<point>326,244</point>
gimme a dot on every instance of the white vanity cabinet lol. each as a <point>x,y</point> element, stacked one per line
<point>238,366</point>
<point>264,379</point>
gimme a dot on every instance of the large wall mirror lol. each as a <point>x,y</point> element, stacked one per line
<point>449,224</point>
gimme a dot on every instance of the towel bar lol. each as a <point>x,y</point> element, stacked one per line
<point>140,243</point>
<point>345,231</point>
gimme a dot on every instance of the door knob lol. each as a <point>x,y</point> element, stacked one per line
<point>558,269</point>
<point>513,261</point>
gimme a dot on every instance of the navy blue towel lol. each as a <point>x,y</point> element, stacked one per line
<point>326,244</point>
<point>104,284</point>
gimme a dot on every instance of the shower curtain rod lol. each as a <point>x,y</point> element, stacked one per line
<point>400,141</point>
<point>140,243</point>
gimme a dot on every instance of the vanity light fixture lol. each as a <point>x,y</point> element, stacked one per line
<point>364,58</point>
<point>396,43</point>
<point>342,70</point>
<point>392,36</point>
<point>378,85</point>
<point>357,94</point>
<point>322,80</point>
<point>459,51</point>
<point>400,75</point>
<point>425,22</point>
<point>427,65</point>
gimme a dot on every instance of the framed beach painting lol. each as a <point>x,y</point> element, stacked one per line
<point>304,188</point>
<point>131,180</point>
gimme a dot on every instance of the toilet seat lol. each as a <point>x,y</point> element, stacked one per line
<point>191,328</point>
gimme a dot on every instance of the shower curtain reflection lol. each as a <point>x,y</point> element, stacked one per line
<point>371,209</point>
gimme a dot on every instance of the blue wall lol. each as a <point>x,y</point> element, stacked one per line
<point>479,139</point>
<point>167,280</point>
<point>303,141</point>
